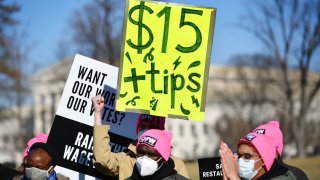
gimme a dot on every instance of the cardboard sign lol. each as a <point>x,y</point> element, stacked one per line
<point>72,132</point>
<point>210,168</point>
<point>165,59</point>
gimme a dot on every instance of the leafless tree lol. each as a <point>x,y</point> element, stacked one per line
<point>13,87</point>
<point>97,30</point>
<point>244,95</point>
<point>289,31</point>
<point>7,71</point>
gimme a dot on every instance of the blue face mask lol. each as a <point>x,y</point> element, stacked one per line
<point>246,168</point>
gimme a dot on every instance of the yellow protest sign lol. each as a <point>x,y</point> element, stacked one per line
<point>165,59</point>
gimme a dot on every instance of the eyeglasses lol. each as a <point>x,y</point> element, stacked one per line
<point>246,156</point>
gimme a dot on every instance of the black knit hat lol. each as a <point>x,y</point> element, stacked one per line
<point>47,148</point>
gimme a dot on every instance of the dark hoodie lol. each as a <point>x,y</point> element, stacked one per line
<point>298,173</point>
<point>166,172</point>
<point>277,171</point>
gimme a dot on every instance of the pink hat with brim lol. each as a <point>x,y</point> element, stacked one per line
<point>157,139</point>
<point>264,145</point>
<point>40,138</point>
<point>272,129</point>
<point>157,120</point>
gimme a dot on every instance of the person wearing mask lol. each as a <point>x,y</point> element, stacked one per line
<point>41,137</point>
<point>7,173</point>
<point>272,129</point>
<point>153,157</point>
<point>121,164</point>
<point>40,163</point>
<point>255,159</point>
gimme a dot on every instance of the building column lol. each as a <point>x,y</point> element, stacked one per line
<point>48,113</point>
<point>37,114</point>
<point>57,99</point>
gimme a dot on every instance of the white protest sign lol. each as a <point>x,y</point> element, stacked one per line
<point>72,132</point>
<point>86,79</point>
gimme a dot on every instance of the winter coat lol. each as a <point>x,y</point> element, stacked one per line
<point>119,164</point>
<point>165,172</point>
<point>278,172</point>
<point>298,173</point>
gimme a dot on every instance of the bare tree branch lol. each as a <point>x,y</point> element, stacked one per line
<point>289,31</point>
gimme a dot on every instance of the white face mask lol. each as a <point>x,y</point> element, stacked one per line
<point>147,166</point>
<point>246,168</point>
<point>38,174</point>
<point>141,132</point>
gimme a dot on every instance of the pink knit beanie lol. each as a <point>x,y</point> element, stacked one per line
<point>159,140</point>
<point>40,138</point>
<point>264,145</point>
<point>272,129</point>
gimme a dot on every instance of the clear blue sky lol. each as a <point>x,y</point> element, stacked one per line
<point>46,24</point>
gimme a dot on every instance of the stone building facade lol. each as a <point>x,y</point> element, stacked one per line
<point>191,140</point>
<point>47,87</point>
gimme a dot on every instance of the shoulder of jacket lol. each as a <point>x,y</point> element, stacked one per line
<point>287,176</point>
<point>131,151</point>
<point>176,160</point>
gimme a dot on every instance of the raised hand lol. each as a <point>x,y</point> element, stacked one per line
<point>98,104</point>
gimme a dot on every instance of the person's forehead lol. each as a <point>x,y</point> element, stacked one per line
<point>147,149</point>
<point>39,155</point>
<point>247,148</point>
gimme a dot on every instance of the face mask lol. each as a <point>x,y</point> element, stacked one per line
<point>35,173</point>
<point>141,132</point>
<point>147,166</point>
<point>246,168</point>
